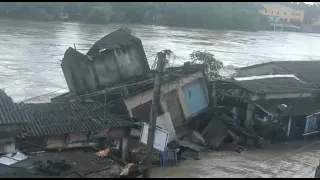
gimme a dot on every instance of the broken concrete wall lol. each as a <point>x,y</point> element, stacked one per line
<point>215,132</point>
<point>265,69</point>
<point>196,138</point>
<point>78,72</point>
<point>130,61</point>
<point>117,57</point>
<point>106,70</point>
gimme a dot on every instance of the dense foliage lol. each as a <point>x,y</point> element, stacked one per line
<point>210,15</point>
<point>207,58</point>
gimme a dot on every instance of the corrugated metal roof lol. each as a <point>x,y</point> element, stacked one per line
<point>276,85</point>
<point>9,111</point>
<point>307,70</point>
<point>70,117</point>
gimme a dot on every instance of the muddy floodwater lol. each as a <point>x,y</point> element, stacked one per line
<point>295,160</point>
<point>31,51</point>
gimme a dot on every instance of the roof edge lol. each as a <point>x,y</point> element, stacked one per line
<point>255,65</point>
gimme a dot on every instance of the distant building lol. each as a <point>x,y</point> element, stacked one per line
<point>277,11</point>
<point>275,19</point>
<point>316,21</point>
<point>64,16</point>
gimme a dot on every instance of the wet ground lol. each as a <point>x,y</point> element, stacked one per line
<point>292,160</point>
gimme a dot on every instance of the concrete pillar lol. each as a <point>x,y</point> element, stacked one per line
<point>289,126</point>
<point>250,111</point>
<point>238,115</point>
<point>214,94</point>
<point>125,148</point>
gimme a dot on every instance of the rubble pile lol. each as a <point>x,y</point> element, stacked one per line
<point>139,153</point>
<point>221,133</point>
<point>52,167</point>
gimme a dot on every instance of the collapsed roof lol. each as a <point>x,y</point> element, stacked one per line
<point>117,39</point>
<point>70,117</point>
<point>307,70</point>
<point>57,118</point>
<point>276,84</point>
<point>10,112</point>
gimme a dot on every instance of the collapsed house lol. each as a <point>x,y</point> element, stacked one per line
<point>52,133</point>
<point>117,65</point>
<point>114,77</point>
<point>183,96</point>
<point>274,98</point>
<point>305,70</point>
<point>70,125</point>
<point>114,61</point>
<point>37,127</point>
<point>11,121</point>
<point>117,57</point>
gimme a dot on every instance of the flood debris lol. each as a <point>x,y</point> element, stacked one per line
<point>132,170</point>
<point>215,132</point>
<point>138,154</point>
<point>186,149</point>
<point>221,133</point>
<point>263,107</point>
<point>52,167</point>
<point>77,164</point>
<point>188,144</point>
<point>196,137</point>
<point>317,172</point>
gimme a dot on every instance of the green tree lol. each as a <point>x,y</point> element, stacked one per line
<point>209,15</point>
<point>207,58</point>
<point>100,14</point>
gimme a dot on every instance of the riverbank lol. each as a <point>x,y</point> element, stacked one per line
<point>214,16</point>
<point>278,161</point>
<point>121,23</point>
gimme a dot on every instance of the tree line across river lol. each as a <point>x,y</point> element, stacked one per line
<point>206,15</point>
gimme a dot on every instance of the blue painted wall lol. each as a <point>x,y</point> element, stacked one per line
<point>194,97</point>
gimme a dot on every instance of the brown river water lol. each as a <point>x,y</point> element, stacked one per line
<point>291,160</point>
<point>30,66</point>
<point>31,51</point>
